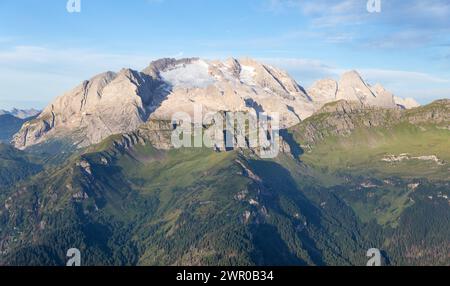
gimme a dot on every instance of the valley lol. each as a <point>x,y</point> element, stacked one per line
<point>125,202</point>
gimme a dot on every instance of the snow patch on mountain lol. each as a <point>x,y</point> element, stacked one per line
<point>193,75</point>
<point>247,75</point>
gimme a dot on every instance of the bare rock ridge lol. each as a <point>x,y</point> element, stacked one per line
<point>107,104</point>
<point>114,103</point>
<point>351,87</point>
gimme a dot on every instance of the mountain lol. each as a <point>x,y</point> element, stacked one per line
<point>346,134</point>
<point>11,122</point>
<point>354,177</point>
<point>15,165</point>
<point>358,168</point>
<point>21,113</point>
<point>9,125</point>
<point>113,103</point>
<point>351,87</point>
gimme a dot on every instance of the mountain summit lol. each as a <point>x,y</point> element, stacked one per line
<point>351,87</point>
<point>113,103</point>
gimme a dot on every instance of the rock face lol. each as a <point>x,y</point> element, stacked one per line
<point>232,85</point>
<point>114,103</point>
<point>351,87</point>
<point>323,91</point>
<point>406,103</point>
<point>107,104</point>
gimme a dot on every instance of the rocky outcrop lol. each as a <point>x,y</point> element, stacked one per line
<point>341,118</point>
<point>384,98</point>
<point>323,91</point>
<point>351,87</point>
<point>406,103</point>
<point>438,112</point>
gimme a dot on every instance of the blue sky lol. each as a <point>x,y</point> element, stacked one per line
<point>44,50</point>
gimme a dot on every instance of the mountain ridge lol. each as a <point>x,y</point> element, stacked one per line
<point>113,103</point>
<point>21,113</point>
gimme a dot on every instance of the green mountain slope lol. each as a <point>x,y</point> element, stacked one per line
<point>183,207</point>
<point>345,186</point>
<point>15,165</point>
<point>391,167</point>
<point>372,141</point>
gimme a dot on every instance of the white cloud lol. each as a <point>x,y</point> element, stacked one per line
<point>36,75</point>
<point>178,55</point>
<point>432,9</point>
<point>427,95</point>
<point>31,89</point>
<point>402,76</point>
<point>326,13</point>
<point>76,58</point>
<point>4,40</point>
<point>422,86</point>
<point>304,70</point>
<point>412,24</point>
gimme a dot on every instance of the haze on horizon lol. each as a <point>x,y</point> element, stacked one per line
<point>45,51</point>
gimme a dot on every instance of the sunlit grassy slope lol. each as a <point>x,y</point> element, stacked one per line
<point>369,136</point>
<point>363,151</point>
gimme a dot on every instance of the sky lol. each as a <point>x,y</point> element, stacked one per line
<point>46,51</point>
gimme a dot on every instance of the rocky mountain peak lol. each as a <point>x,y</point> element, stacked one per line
<point>323,91</point>
<point>106,104</point>
<point>113,103</point>
<point>353,88</point>
<point>352,76</point>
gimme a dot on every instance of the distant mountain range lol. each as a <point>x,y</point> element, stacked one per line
<point>10,125</point>
<point>21,113</point>
<point>12,121</point>
<point>358,168</point>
